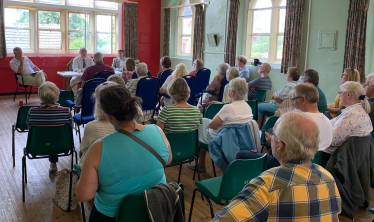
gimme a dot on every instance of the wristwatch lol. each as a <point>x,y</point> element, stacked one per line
<point>21,61</point>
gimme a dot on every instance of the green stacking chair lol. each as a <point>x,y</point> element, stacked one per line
<point>183,148</point>
<point>20,125</point>
<point>254,106</point>
<point>317,158</point>
<point>270,122</point>
<point>224,188</point>
<point>65,95</point>
<point>260,96</point>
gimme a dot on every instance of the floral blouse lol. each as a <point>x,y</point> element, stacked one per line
<point>353,121</point>
<point>127,76</point>
<point>215,85</point>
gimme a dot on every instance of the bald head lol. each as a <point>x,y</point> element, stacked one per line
<point>198,64</point>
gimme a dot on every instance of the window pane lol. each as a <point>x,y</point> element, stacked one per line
<point>263,4</point>
<point>283,3</point>
<point>17,38</point>
<point>186,45</point>
<point>76,21</point>
<point>103,42</point>
<point>114,37</point>
<point>76,40</point>
<point>85,3</point>
<point>104,4</point>
<point>16,18</point>
<point>50,1</point>
<point>282,20</point>
<point>260,47</point>
<point>280,47</point>
<point>103,23</point>
<point>187,11</point>
<point>49,20</point>
<point>186,26</point>
<point>49,40</point>
<point>261,21</point>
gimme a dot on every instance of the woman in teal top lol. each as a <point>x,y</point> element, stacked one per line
<point>116,165</point>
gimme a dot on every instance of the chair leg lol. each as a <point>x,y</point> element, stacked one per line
<point>23,178</point>
<point>15,94</point>
<point>83,214</point>
<point>214,168</point>
<point>30,91</point>
<point>180,172</point>
<point>79,133</point>
<point>196,171</point>
<point>76,157</point>
<point>192,202</point>
<point>211,207</point>
<point>13,147</point>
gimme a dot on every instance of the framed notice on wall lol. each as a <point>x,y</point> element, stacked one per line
<point>327,40</point>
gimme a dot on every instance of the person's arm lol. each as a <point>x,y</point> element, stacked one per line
<point>75,65</point>
<point>213,85</point>
<point>162,91</point>
<point>167,145</point>
<point>20,68</point>
<point>89,180</point>
<point>276,98</point>
<point>83,82</point>
<point>163,118</point>
<point>160,124</point>
<point>215,122</point>
<point>114,64</point>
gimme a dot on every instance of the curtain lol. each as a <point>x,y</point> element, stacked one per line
<point>198,32</point>
<point>232,33</point>
<point>355,40</point>
<point>130,41</point>
<point>2,32</point>
<point>166,31</point>
<point>292,34</point>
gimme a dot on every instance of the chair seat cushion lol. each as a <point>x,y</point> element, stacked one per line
<point>211,187</point>
<point>85,120</point>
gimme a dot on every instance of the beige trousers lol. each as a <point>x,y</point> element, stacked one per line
<point>74,81</point>
<point>33,80</point>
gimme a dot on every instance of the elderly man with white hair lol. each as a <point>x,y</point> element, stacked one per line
<point>80,64</point>
<point>369,92</point>
<point>297,189</point>
<point>23,65</point>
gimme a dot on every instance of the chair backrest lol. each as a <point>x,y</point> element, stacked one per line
<point>147,89</point>
<point>65,95</point>
<point>164,75</point>
<point>270,122</point>
<point>203,76</point>
<point>192,82</point>
<point>317,158</point>
<point>254,106</point>
<point>21,122</point>
<point>223,84</point>
<point>69,66</point>
<point>44,140</point>
<point>212,110</point>
<point>103,74</point>
<point>238,174</point>
<point>88,103</point>
<point>260,96</point>
<point>16,76</point>
<point>135,76</point>
<point>183,145</point>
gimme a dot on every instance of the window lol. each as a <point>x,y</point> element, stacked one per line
<point>266,19</point>
<point>44,28</point>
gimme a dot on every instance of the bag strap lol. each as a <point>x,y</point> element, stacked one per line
<point>141,142</point>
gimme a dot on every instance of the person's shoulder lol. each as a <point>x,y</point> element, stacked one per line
<point>76,58</point>
<point>110,68</point>
<point>14,60</point>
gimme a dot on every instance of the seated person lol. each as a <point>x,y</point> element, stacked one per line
<point>80,63</point>
<point>334,108</point>
<point>277,98</point>
<point>311,76</point>
<point>179,72</point>
<point>23,65</point>
<point>119,62</point>
<point>237,112</point>
<point>262,83</point>
<point>214,87</point>
<point>288,192</point>
<point>117,79</point>
<point>50,113</point>
<point>369,92</point>
<point>196,66</point>
<point>98,128</point>
<point>180,117</point>
<point>165,63</point>
<point>231,74</point>
<point>128,69</point>
<point>115,165</point>
<point>241,62</point>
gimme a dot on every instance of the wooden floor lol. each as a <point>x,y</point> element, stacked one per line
<point>39,205</point>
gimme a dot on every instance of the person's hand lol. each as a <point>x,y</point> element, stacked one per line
<point>83,69</point>
<point>252,89</point>
<point>22,58</point>
<point>268,137</point>
<point>209,103</point>
<point>329,106</point>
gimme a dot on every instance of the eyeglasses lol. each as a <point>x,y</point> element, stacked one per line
<point>340,92</point>
<point>293,99</point>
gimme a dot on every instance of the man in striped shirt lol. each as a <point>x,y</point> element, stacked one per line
<point>262,83</point>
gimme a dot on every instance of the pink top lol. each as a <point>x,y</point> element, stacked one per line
<point>127,75</point>
<point>193,73</point>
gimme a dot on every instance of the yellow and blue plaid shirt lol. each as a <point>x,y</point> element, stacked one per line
<point>297,191</point>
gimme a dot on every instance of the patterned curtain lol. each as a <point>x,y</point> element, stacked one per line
<point>355,40</point>
<point>198,32</point>
<point>130,41</point>
<point>232,33</point>
<point>166,31</point>
<point>292,34</point>
<point>2,32</point>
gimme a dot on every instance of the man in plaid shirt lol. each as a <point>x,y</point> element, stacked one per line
<point>297,190</point>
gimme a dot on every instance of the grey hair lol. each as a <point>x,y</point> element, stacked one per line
<point>232,73</point>
<point>299,133</point>
<point>180,71</point>
<point>179,90</point>
<point>98,113</point>
<point>16,49</point>
<point>308,90</point>
<point>117,79</point>
<point>199,64</point>
<point>98,57</point>
<point>357,90</point>
<point>370,77</point>
<point>48,93</point>
<point>240,87</point>
<point>82,49</point>
<point>142,69</point>
<point>222,68</point>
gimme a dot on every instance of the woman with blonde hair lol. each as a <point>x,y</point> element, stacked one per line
<point>179,72</point>
<point>349,74</point>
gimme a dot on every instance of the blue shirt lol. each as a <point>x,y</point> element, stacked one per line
<point>126,167</point>
<point>243,73</point>
<point>284,93</point>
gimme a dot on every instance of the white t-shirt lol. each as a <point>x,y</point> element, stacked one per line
<point>325,129</point>
<point>234,113</point>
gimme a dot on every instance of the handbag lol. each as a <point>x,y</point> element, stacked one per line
<point>141,142</point>
<point>63,185</point>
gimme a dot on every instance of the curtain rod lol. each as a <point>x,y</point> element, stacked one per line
<point>182,6</point>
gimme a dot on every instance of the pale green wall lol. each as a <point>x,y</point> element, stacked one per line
<point>326,15</point>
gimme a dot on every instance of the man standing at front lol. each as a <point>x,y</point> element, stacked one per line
<point>298,190</point>
<point>80,64</point>
<point>23,65</point>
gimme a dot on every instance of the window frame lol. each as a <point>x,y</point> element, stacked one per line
<point>274,31</point>
<point>50,50</point>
